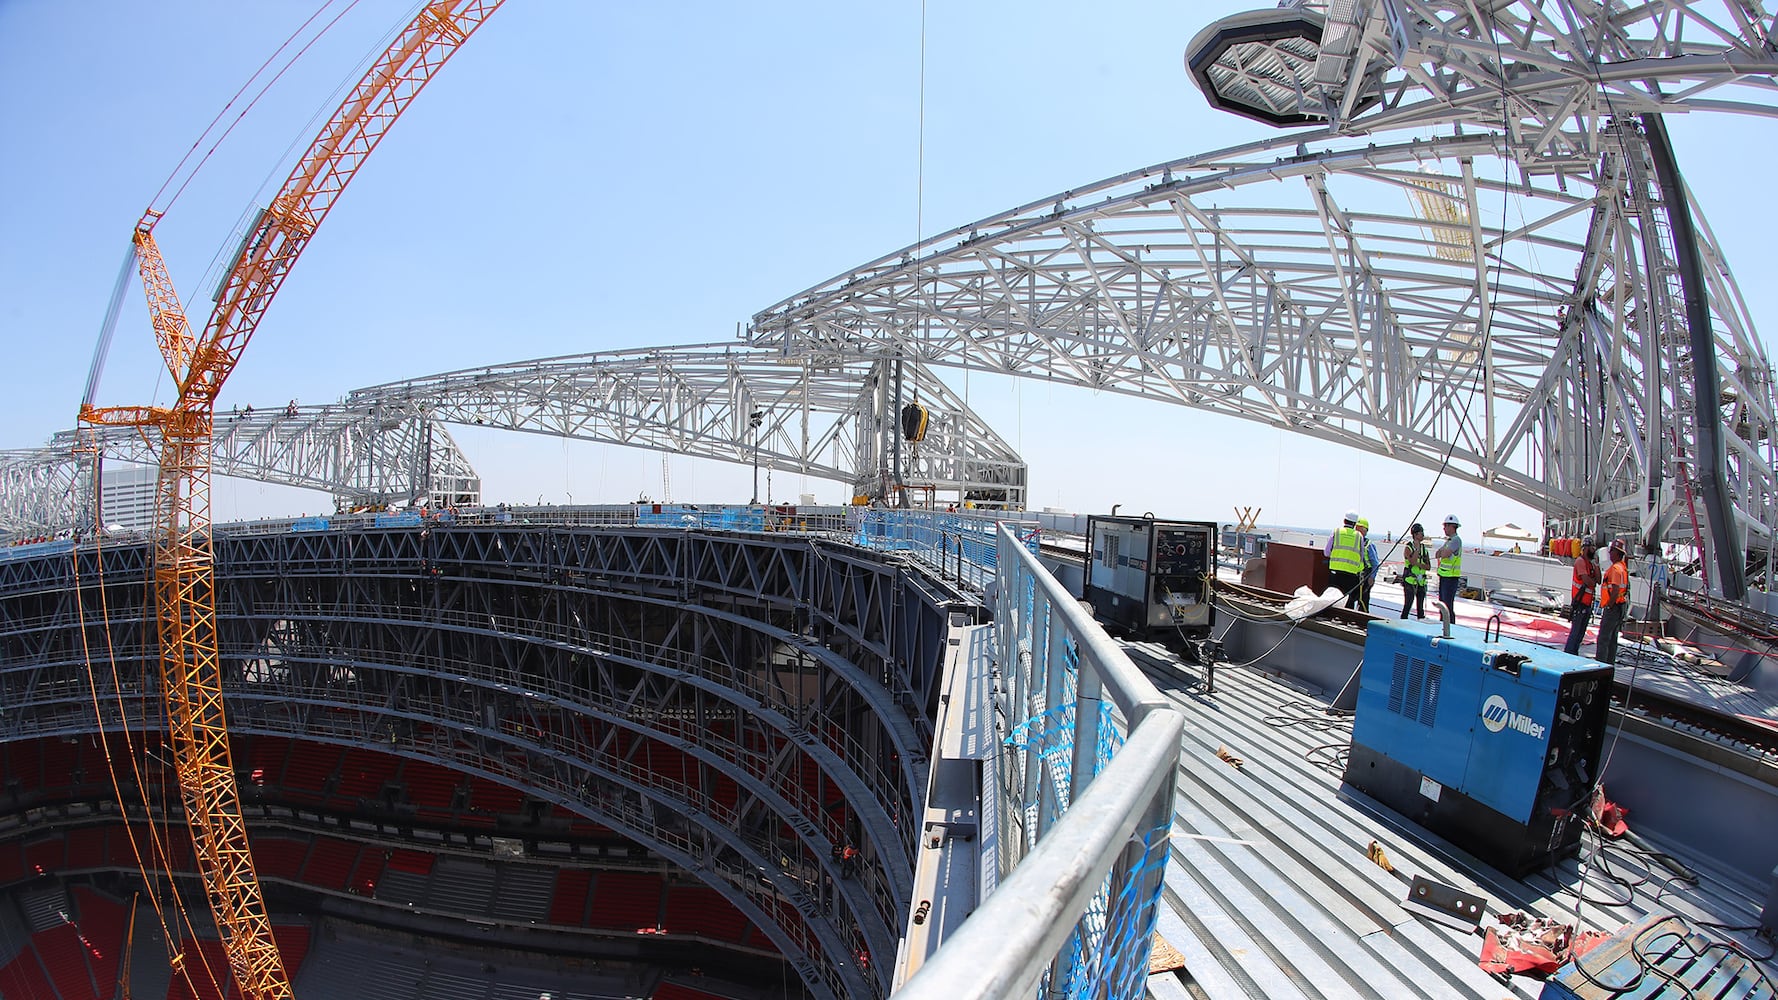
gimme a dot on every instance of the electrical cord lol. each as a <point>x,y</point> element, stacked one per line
<point>1462,412</point>
<point>1330,757</point>
<point>1310,716</point>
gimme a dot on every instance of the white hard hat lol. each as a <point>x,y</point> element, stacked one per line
<point>1451,519</point>
<point>1351,517</point>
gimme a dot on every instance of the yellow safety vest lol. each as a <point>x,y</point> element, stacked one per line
<point>1345,556</point>
<point>1451,565</point>
<point>1416,573</point>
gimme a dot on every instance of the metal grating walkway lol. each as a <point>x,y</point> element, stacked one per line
<point>1270,893</point>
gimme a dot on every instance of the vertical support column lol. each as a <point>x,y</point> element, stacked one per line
<point>1056,694</point>
<point>1707,385</point>
<point>1088,707</point>
<point>1485,327</point>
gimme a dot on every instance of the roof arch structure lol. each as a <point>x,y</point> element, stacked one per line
<point>1477,262</point>
<point>835,418</point>
<point>390,444</point>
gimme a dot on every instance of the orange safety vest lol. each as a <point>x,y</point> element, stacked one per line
<point>1586,578</point>
<point>1617,583</point>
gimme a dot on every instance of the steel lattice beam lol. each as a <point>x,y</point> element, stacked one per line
<point>833,418</point>
<point>830,419</point>
<point>362,455</point>
<point>1553,71</point>
<point>712,695</point>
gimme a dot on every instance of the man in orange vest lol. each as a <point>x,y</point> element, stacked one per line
<point>1616,601</point>
<point>1582,594</point>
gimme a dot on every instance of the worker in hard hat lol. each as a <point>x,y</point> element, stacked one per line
<point>1368,578</point>
<point>1582,594</point>
<point>1450,563</point>
<point>1345,559</point>
<point>1416,560</point>
<point>1614,601</point>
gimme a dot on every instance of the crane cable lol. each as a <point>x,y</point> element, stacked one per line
<point>267,85</point>
<point>159,840</point>
<point>158,845</point>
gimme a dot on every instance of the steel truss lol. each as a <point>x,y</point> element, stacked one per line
<point>1555,70</point>
<point>831,418</point>
<point>712,697</point>
<point>1422,294</point>
<point>387,443</point>
<point>363,455</point>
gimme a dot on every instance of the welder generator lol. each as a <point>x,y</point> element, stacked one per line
<point>1492,743</point>
<point>1151,578</point>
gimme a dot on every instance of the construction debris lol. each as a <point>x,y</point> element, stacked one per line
<point>1533,944</point>
<point>1163,957</point>
<point>1377,855</point>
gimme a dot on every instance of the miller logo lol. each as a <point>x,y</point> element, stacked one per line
<point>1496,716</point>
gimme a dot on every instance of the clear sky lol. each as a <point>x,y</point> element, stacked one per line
<point>589,176</point>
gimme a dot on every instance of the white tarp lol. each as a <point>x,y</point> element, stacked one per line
<point>1306,602</point>
<point>1510,533</point>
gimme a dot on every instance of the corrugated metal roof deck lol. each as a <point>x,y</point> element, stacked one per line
<point>1270,893</point>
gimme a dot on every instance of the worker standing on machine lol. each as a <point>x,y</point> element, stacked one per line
<point>1345,559</point>
<point>1582,594</point>
<point>1450,564</point>
<point>1616,600</point>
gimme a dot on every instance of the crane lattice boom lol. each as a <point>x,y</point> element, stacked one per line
<point>184,575</point>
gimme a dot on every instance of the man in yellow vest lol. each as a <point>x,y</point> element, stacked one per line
<point>1345,559</point>
<point>1450,564</point>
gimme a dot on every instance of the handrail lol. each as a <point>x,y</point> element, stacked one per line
<point>958,545</point>
<point>1079,906</point>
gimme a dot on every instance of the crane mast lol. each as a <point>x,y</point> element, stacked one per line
<point>184,557</point>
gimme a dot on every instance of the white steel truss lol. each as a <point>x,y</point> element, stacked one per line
<point>1553,69</point>
<point>831,418</point>
<point>361,454</point>
<point>387,443</point>
<point>1499,300</point>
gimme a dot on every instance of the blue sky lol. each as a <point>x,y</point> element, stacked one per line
<point>596,176</point>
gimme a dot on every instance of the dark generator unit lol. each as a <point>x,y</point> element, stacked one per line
<point>1151,578</point>
<point>1494,745</point>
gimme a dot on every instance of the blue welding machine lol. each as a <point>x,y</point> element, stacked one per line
<point>1494,745</point>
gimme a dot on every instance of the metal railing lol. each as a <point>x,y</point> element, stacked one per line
<point>959,545</point>
<point>1084,818</point>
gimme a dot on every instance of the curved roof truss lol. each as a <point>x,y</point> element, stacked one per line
<point>1417,297</point>
<point>829,417</point>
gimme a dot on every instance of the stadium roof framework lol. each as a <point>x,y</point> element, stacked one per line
<point>1482,261</point>
<point>1477,258</point>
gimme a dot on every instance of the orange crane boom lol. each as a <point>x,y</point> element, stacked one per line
<point>184,574</point>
